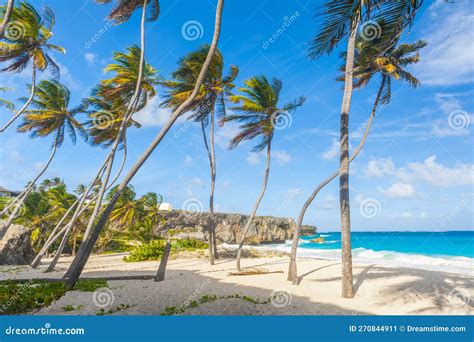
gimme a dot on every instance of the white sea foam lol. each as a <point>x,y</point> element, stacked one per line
<point>460,265</point>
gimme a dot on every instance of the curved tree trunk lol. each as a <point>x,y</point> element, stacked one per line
<point>210,237</point>
<point>85,248</point>
<point>6,17</point>
<point>52,239</point>
<point>292,270</point>
<point>27,103</point>
<point>347,278</point>
<point>25,193</point>
<point>35,263</point>
<point>254,210</point>
<point>213,183</point>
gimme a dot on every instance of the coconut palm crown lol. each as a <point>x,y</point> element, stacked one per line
<point>27,40</point>
<point>51,114</point>
<point>124,9</point>
<point>258,110</point>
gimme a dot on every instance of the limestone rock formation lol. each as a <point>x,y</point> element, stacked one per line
<point>15,248</point>
<point>229,227</point>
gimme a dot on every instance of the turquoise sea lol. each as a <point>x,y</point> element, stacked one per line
<point>444,251</point>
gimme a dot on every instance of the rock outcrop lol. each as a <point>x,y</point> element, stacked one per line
<point>15,248</point>
<point>229,227</point>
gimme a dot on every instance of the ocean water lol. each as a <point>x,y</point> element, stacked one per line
<point>442,251</point>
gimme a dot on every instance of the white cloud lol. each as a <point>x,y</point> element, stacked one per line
<point>281,157</point>
<point>380,168</point>
<point>225,133</point>
<point>188,160</point>
<point>292,193</point>
<point>428,171</point>
<point>328,203</point>
<point>253,158</point>
<point>90,58</point>
<point>332,152</point>
<point>448,29</point>
<point>437,174</point>
<point>153,115</point>
<point>399,190</point>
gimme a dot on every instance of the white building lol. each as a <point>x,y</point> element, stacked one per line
<point>8,193</point>
<point>165,207</point>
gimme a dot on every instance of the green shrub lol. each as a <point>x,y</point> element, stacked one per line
<point>90,285</point>
<point>152,250</point>
<point>22,297</point>
<point>190,244</point>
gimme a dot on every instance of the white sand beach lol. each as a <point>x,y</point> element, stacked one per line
<point>379,290</point>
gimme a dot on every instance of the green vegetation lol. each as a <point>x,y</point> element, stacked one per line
<point>189,244</point>
<point>23,297</point>
<point>90,285</point>
<point>70,307</point>
<point>121,307</point>
<point>154,249</point>
<point>173,310</point>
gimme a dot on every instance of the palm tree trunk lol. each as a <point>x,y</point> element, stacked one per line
<point>25,193</point>
<point>292,270</point>
<point>160,274</point>
<point>213,184</point>
<point>86,246</point>
<point>254,211</point>
<point>53,238</point>
<point>211,211</point>
<point>347,278</point>
<point>43,250</point>
<point>6,17</point>
<point>27,103</point>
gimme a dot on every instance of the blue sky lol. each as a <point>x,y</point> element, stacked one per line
<point>416,171</point>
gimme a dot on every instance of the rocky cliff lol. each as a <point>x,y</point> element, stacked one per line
<point>229,227</point>
<point>15,248</point>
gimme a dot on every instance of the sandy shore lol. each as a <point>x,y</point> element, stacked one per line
<point>379,290</point>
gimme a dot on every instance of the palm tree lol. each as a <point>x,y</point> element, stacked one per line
<point>5,103</point>
<point>30,46</point>
<point>390,65</point>
<point>125,8</point>
<point>51,116</point>
<point>210,98</point>
<point>6,12</point>
<point>126,211</point>
<point>85,249</point>
<point>259,112</point>
<point>341,19</point>
<point>102,176</point>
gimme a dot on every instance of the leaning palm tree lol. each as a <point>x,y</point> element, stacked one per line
<point>389,65</point>
<point>6,12</point>
<point>125,8</point>
<point>86,247</point>
<point>29,45</point>
<point>210,99</point>
<point>259,113</point>
<point>341,19</point>
<point>51,116</point>
<point>103,174</point>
